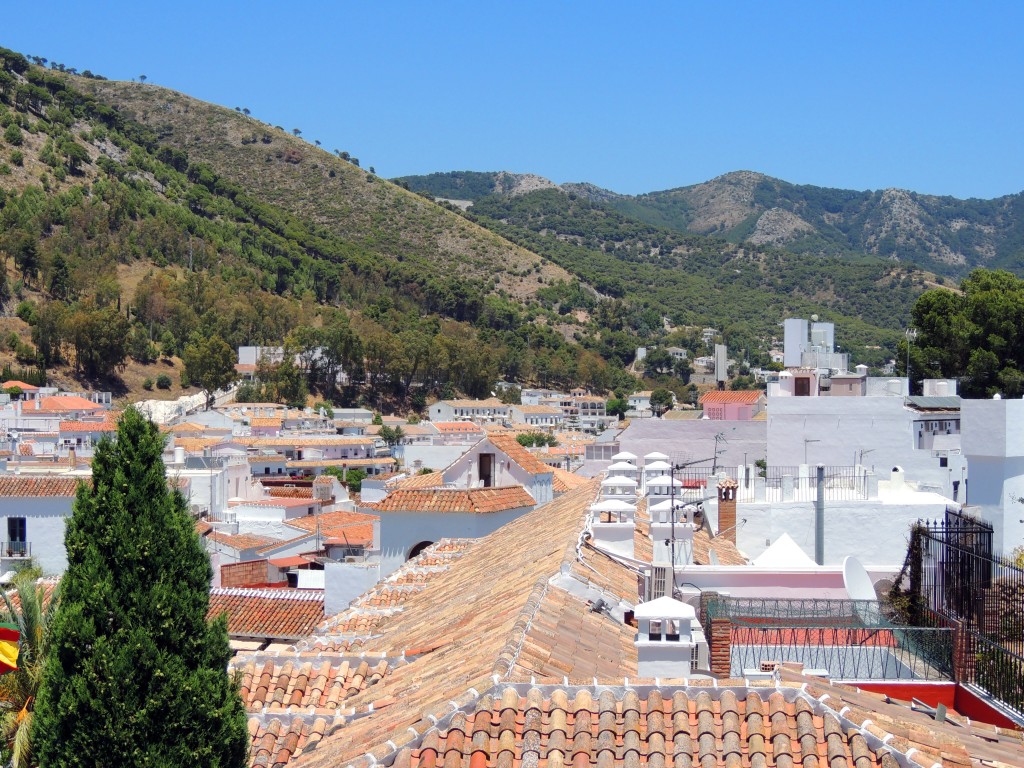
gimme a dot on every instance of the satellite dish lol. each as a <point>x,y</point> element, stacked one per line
<point>856,580</point>
<point>814,318</point>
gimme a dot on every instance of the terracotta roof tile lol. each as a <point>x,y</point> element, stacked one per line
<point>457,427</point>
<point>24,486</point>
<point>240,541</point>
<point>65,403</point>
<point>517,453</point>
<point>88,426</point>
<point>427,480</point>
<point>277,422</point>
<point>472,500</point>
<point>284,614</point>
<point>566,481</point>
<point>741,397</point>
<point>354,528</point>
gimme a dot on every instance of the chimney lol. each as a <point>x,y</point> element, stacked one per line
<point>727,509</point>
<point>667,634</point>
<point>72,458</point>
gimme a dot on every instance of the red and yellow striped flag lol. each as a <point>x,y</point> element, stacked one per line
<point>9,636</point>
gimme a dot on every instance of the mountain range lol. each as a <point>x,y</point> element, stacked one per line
<point>946,235</point>
<point>195,220</point>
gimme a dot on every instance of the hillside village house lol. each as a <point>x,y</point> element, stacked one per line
<point>726,405</point>
<point>480,411</point>
<point>538,416</point>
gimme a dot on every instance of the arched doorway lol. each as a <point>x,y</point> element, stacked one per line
<point>419,548</point>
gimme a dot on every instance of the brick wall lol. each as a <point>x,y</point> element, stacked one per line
<point>719,646</point>
<point>727,517</point>
<point>963,654</point>
<point>252,573</point>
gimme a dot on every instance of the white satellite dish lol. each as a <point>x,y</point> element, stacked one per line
<point>856,580</point>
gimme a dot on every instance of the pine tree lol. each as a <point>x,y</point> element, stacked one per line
<point>135,674</point>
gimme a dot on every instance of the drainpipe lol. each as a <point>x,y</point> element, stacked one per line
<point>819,518</point>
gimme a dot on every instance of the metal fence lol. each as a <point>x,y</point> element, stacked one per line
<point>847,653</point>
<point>755,611</point>
<point>998,670</point>
<point>851,639</point>
<point>841,483</point>
<point>959,578</point>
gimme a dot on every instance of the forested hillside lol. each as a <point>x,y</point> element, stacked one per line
<point>123,247</point>
<point>743,289</point>
<point>942,234</point>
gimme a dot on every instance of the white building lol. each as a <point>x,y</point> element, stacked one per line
<point>993,444</point>
<point>490,410</point>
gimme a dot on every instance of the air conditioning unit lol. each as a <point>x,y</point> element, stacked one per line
<point>659,582</point>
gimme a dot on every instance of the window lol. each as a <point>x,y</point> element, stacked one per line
<point>16,537</point>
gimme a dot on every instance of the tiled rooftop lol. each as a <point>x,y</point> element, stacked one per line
<point>741,397</point>
<point>472,500</point>
<point>354,527</point>
<point>240,541</point>
<point>427,480</point>
<point>456,427</point>
<point>282,614</point>
<point>88,426</point>
<point>511,447</point>
<point>23,486</point>
<point>566,481</point>
<point>612,727</point>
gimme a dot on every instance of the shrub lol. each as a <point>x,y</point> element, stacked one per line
<point>163,381</point>
<point>147,384</point>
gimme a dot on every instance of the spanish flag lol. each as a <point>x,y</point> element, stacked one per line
<point>9,636</point>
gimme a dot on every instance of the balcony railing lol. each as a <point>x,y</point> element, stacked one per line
<point>16,549</point>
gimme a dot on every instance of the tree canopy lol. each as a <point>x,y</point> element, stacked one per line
<point>976,335</point>
<point>135,674</point>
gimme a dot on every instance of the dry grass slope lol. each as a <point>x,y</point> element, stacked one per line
<point>312,183</point>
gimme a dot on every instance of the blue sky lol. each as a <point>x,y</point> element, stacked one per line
<point>634,97</point>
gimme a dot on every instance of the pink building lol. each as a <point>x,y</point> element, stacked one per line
<point>741,405</point>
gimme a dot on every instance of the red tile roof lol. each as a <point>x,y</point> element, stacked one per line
<point>66,403</point>
<point>280,614</point>
<point>741,397</point>
<point>508,445</point>
<point>88,426</point>
<point>457,427</point>
<point>266,422</point>
<point>23,486</point>
<point>353,528</point>
<point>426,480</point>
<point>473,500</point>
<point>20,385</point>
<point>240,541</point>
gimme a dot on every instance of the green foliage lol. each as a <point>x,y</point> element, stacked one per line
<point>147,384</point>
<point>391,435</point>
<point>19,689</point>
<point>13,135</point>
<point>136,673</point>
<point>163,381</point>
<point>536,439</point>
<point>209,364</point>
<point>351,478</point>
<point>661,400</point>
<point>976,335</point>
<point>617,407</point>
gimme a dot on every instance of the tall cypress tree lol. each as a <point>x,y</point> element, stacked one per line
<point>136,675</point>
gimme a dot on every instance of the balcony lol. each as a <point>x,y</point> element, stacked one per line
<point>16,550</point>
